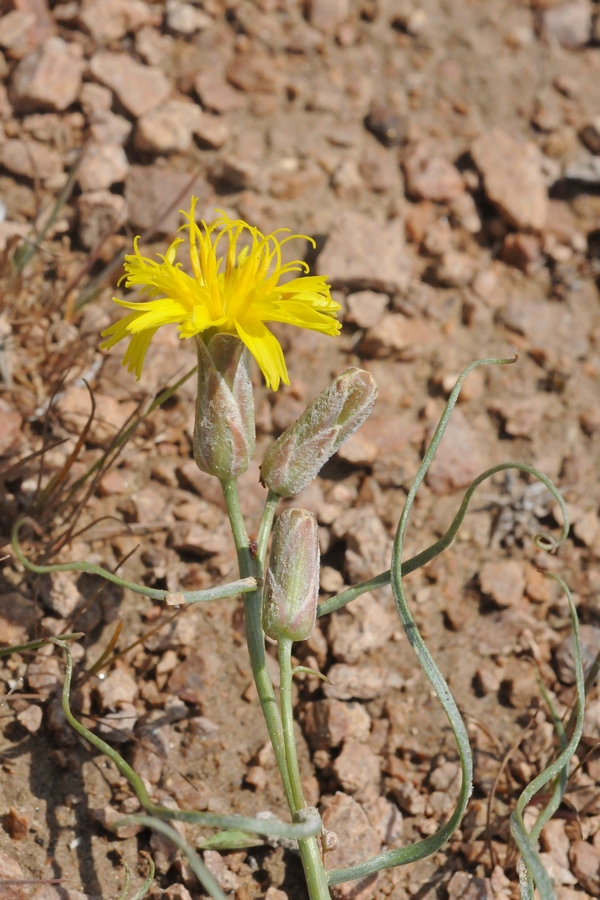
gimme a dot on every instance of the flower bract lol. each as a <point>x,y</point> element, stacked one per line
<point>236,293</point>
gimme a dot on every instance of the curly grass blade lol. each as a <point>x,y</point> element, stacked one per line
<point>532,871</point>
<point>199,869</point>
<point>429,845</point>
<point>563,778</point>
<point>268,827</point>
<point>542,540</point>
<point>125,891</point>
<point>139,895</point>
<point>590,681</point>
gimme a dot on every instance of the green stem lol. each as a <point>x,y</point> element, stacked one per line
<point>531,870</point>
<point>280,732</point>
<point>254,634</point>
<point>266,524</point>
<point>284,645</point>
<point>143,890</point>
<point>316,876</point>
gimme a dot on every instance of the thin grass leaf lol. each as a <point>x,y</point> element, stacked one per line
<point>531,869</point>
<point>141,893</point>
<point>109,457</point>
<point>542,540</point>
<point>96,471</point>
<point>107,650</point>
<point>563,777</point>
<point>429,845</point>
<point>58,480</point>
<point>125,891</point>
<point>35,645</point>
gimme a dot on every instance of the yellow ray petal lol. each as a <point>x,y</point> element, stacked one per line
<point>136,351</point>
<point>117,331</point>
<point>160,312</point>
<point>298,314</point>
<point>266,350</point>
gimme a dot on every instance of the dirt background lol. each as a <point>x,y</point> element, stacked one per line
<point>445,156</point>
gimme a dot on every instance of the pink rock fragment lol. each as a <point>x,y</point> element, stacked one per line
<point>357,839</point>
<point>139,88</point>
<point>49,78</point>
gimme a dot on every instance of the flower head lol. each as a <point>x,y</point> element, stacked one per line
<point>233,294</point>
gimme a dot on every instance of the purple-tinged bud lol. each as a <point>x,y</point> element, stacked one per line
<point>224,432</point>
<point>299,454</point>
<point>292,580</point>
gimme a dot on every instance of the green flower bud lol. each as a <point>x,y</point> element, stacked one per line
<point>224,432</point>
<point>292,579</point>
<point>298,455</point>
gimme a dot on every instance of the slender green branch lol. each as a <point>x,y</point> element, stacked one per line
<point>219,592</point>
<point>280,732</point>
<point>284,646</point>
<point>254,633</point>
<point>269,827</point>
<point>351,593</point>
<point>563,777</point>
<point>316,876</point>
<point>542,540</point>
<point>199,869</point>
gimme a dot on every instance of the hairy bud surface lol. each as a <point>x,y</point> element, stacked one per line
<point>224,431</point>
<point>298,455</point>
<point>292,579</point>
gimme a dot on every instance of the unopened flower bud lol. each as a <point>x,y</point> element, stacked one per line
<point>303,449</point>
<point>224,432</point>
<point>292,579</point>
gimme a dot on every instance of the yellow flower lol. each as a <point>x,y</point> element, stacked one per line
<point>237,299</point>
